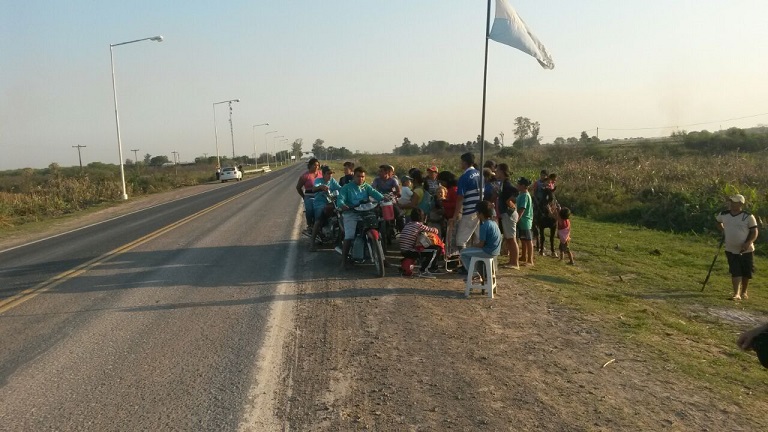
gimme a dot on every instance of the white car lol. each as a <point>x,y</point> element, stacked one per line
<point>230,173</point>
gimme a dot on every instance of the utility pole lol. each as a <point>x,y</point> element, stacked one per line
<point>598,132</point>
<point>135,155</point>
<point>78,147</point>
<point>174,156</point>
<point>232,132</point>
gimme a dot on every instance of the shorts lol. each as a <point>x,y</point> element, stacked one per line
<point>565,247</point>
<point>350,224</point>
<point>465,228</point>
<point>524,234</point>
<point>509,225</point>
<point>741,265</point>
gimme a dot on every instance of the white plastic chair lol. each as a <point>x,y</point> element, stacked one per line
<point>489,282</point>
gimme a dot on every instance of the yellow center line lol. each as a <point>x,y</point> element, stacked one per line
<point>42,287</point>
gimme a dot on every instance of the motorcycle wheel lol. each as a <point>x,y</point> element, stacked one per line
<point>377,253</point>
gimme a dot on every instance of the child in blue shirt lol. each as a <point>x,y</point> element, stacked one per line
<point>489,242</point>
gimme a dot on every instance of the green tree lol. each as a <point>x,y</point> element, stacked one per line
<point>559,141</point>
<point>526,132</point>
<point>296,147</point>
<point>572,141</point>
<point>317,148</point>
<point>158,160</point>
<point>584,138</point>
<point>147,158</point>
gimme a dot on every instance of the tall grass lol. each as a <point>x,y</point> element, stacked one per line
<point>32,195</point>
<point>660,186</point>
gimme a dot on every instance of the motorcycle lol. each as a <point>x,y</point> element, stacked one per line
<point>330,234</point>
<point>387,223</point>
<point>367,244</point>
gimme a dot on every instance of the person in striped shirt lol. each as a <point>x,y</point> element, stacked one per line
<point>467,197</point>
<point>410,247</point>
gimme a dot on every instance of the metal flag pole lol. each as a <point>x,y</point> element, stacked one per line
<point>485,80</point>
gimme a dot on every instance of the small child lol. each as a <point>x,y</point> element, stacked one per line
<point>564,233</point>
<point>406,192</point>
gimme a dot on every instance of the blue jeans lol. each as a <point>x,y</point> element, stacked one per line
<point>309,209</point>
<point>468,253</point>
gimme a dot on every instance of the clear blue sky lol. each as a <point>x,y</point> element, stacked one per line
<point>364,74</point>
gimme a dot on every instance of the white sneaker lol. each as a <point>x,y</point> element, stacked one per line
<point>427,275</point>
<point>338,250</point>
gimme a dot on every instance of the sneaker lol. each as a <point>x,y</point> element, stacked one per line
<point>426,274</point>
<point>338,250</point>
<point>438,270</point>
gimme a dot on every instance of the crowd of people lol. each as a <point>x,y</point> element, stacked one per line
<point>437,211</point>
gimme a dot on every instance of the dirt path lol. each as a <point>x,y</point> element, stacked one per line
<point>413,354</point>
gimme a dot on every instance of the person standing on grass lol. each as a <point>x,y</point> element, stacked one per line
<point>740,231</point>
<point>467,196</point>
<point>489,239</point>
<point>564,233</point>
<point>525,221</point>
<point>508,215</point>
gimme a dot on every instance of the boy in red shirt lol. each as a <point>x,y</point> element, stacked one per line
<point>564,233</point>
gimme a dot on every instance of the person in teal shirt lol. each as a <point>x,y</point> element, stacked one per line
<point>351,195</point>
<point>489,240</point>
<point>525,221</point>
<point>324,187</point>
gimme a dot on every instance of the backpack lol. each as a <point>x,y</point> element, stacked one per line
<point>427,202</point>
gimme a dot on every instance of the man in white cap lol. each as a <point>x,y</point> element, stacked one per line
<point>740,231</point>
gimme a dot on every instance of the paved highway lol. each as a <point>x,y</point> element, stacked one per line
<point>157,320</point>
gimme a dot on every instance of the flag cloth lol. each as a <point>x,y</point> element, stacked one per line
<point>509,29</point>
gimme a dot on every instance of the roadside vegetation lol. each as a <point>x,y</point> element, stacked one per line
<point>676,184</point>
<point>645,287</point>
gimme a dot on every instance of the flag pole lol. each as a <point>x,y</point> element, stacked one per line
<point>485,79</point>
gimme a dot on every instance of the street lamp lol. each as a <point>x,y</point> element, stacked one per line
<point>273,146</point>
<point>216,132</point>
<point>283,141</point>
<point>255,156</point>
<point>266,149</point>
<point>114,93</point>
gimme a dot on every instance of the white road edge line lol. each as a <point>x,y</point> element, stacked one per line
<point>259,410</point>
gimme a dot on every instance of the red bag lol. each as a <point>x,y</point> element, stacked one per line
<point>405,266</point>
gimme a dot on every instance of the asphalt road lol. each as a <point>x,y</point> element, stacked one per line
<point>161,323</point>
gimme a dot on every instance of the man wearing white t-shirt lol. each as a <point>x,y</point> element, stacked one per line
<point>740,231</point>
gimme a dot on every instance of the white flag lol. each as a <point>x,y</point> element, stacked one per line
<point>509,29</point>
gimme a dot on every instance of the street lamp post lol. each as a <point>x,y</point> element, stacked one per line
<point>266,149</point>
<point>284,154</point>
<point>216,131</point>
<point>255,156</point>
<point>273,147</point>
<point>114,94</point>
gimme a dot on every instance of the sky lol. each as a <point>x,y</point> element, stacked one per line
<point>364,74</point>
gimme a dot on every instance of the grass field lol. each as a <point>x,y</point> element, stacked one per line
<point>645,286</point>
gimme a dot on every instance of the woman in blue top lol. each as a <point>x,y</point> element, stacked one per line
<point>323,187</point>
<point>489,242</point>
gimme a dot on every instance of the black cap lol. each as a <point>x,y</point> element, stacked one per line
<point>326,169</point>
<point>523,181</point>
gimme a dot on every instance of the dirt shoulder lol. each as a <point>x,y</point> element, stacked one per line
<point>414,354</point>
